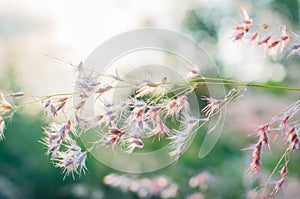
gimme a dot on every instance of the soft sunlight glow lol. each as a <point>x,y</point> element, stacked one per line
<point>72,30</point>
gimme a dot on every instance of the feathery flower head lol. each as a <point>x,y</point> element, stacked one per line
<point>71,161</point>
<point>213,104</point>
<point>134,142</point>
<point>281,181</point>
<point>256,156</point>
<point>283,122</point>
<point>189,122</point>
<point>293,138</point>
<point>194,71</point>
<point>111,138</point>
<point>263,134</point>
<point>175,106</point>
<point>55,104</point>
<point>149,87</point>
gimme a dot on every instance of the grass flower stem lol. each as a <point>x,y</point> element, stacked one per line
<point>237,83</point>
<point>284,155</point>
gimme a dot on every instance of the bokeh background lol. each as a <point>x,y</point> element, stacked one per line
<point>33,32</point>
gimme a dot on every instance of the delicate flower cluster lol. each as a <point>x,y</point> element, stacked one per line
<point>280,182</point>
<point>257,148</point>
<point>145,115</point>
<point>72,160</point>
<point>243,27</point>
<point>282,125</point>
<point>64,151</point>
<point>179,138</point>
<point>148,111</point>
<point>142,118</point>
<point>270,43</point>
<point>212,106</point>
<point>149,87</point>
<point>54,105</point>
<point>160,186</point>
<point>175,106</point>
<point>194,72</point>
<point>87,85</point>
<point>125,124</point>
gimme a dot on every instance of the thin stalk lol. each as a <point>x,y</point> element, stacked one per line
<point>238,84</point>
<point>276,168</point>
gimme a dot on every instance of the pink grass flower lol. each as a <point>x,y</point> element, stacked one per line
<point>263,134</point>
<point>136,120</point>
<point>293,138</point>
<point>110,115</point>
<point>283,122</point>
<point>281,181</point>
<point>133,143</point>
<point>160,129</point>
<point>71,161</point>
<point>256,157</point>
<point>254,37</point>
<point>285,38</point>
<point>54,105</point>
<point>178,150</point>
<point>110,140</point>
<point>238,36</point>
<point>183,104</point>
<point>274,46</point>
<point>175,106</point>
<point>194,71</point>
<point>264,41</point>
<point>154,88</point>
<point>212,106</point>
<point>153,116</point>
<point>245,17</point>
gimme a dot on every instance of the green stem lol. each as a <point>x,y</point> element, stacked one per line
<point>235,83</point>
<point>276,168</point>
<point>274,87</point>
<point>278,163</point>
